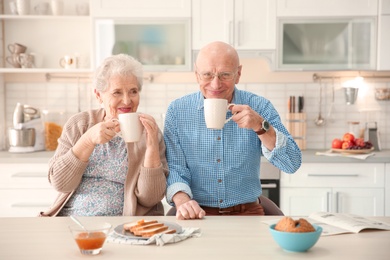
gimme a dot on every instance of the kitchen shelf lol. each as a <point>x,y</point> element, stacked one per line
<point>41,17</point>
<point>43,70</point>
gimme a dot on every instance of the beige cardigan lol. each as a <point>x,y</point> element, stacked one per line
<point>144,187</point>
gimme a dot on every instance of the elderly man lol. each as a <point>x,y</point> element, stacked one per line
<point>216,172</point>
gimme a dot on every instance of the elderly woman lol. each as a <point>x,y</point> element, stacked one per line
<point>94,170</point>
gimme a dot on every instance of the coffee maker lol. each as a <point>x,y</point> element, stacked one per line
<point>28,132</point>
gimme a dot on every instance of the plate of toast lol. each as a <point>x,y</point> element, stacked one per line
<point>144,229</point>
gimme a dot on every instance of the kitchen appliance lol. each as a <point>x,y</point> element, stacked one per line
<point>270,182</point>
<point>27,133</point>
<point>373,135</point>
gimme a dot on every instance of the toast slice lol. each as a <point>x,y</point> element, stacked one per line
<point>131,225</point>
<point>145,227</point>
<point>150,232</point>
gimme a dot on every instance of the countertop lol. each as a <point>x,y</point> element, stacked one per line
<point>308,156</point>
<point>223,237</point>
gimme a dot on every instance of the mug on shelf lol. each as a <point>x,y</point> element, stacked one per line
<point>67,62</point>
<point>16,48</point>
<point>57,7</point>
<point>13,60</point>
<point>23,7</point>
<point>26,60</point>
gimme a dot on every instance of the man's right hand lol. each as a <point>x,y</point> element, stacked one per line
<point>187,208</point>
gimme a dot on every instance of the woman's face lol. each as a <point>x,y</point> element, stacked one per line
<point>122,96</point>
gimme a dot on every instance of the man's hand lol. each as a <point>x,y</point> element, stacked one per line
<point>187,208</point>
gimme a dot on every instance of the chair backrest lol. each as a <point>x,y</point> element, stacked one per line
<point>270,208</point>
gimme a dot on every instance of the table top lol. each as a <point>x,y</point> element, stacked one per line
<point>225,237</point>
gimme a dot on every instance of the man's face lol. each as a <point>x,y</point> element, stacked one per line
<point>217,75</point>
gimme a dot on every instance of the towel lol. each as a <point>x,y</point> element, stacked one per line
<point>158,239</point>
<point>356,156</point>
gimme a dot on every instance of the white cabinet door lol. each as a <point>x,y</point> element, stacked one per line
<point>384,43</point>
<point>144,8</point>
<point>245,24</point>
<point>212,21</point>
<point>364,202</point>
<point>303,201</point>
<point>315,8</point>
<point>255,22</point>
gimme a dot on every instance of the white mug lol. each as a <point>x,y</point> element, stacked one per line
<point>57,7</point>
<point>215,112</point>
<point>131,127</point>
<point>67,62</point>
<point>23,7</point>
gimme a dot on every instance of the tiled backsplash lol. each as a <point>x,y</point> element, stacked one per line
<point>155,99</point>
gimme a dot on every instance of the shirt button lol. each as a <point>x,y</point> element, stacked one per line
<point>219,180</point>
<point>220,201</point>
<point>218,138</point>
<point>218,160</point>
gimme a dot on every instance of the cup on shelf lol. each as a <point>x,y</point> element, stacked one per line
<point>41,8</point>
<point>57,7</point>
<point>13,60</point>
<point>16,48</point>
<point>26,60</point>
<point>13,8</point>
<point>67,62</point>
<point>23,7</point>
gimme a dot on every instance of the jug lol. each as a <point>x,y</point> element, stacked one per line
<point>26,60</point>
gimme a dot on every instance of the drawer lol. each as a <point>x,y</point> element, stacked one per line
<point>24,175</point>
<point>25,202</point>
<point>336,175</point>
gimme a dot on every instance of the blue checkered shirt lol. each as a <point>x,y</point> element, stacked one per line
<point>221,168</point>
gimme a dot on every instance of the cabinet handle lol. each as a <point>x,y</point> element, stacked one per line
<point>231,39</point>
<point>29,205</point>
<point>332,175</point>
<point>270,185</point>
<point>29,175</point>
<point>328,201</point>
<point>337,203</point>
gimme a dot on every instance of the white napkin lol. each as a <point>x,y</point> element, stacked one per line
<point>356,156</point>
<point>158,239</point>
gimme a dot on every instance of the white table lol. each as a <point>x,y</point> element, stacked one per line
<point>226,237</point>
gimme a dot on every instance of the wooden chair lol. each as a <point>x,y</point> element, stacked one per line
<point>270,208</point>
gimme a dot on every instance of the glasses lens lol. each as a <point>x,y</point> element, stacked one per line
<point>223,76</point>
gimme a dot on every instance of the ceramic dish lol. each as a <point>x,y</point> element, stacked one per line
<point>120,230</point>
<point>346,151</point>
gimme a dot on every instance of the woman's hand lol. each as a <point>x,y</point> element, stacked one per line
<point>102,132</point>
<point>152,154</point>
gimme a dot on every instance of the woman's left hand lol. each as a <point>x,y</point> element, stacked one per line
<point>151,128</point>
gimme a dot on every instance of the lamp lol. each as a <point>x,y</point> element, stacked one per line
<point>351,89</point>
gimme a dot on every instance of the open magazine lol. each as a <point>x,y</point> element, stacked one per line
<point>340,223</point>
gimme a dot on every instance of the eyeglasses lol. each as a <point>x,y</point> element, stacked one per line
<point>222,76</point>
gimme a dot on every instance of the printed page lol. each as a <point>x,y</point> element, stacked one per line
<point>349,222</point>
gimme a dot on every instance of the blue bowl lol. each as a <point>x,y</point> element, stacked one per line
<point>296,242</point>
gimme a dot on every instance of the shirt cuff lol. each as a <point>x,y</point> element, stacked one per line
<point>281,141</point>
<point>175,188</point>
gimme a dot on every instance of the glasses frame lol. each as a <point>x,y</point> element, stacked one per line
<point>219,75</point>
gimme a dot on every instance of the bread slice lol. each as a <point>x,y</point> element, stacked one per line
<point>150,232</point>
<point>145,227</point>
<point>131,225</point>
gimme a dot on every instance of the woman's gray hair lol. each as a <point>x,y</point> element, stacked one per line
<point>117,65</point>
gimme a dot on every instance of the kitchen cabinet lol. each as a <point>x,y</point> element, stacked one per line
<point>337,187</point>
<point>49,38</point>
<point>159,44</point>
<point>24,189</point>
<point>387,189</point>
<point>245,24</point>
<point>384,37</point>
<point>144,8</point>
<point>315,8</point>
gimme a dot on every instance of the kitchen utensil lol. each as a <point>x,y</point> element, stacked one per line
<point>320,121</point>
<point>351,95</point>
<point>23,7</point>
<point>78,223</point>
<point>373,135</point>
<point>21,137</point>
<point>13,60</point>
<point>16,48</point>
<point>26,60</point>
<point>330,112</point>
<point>18,117</point>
